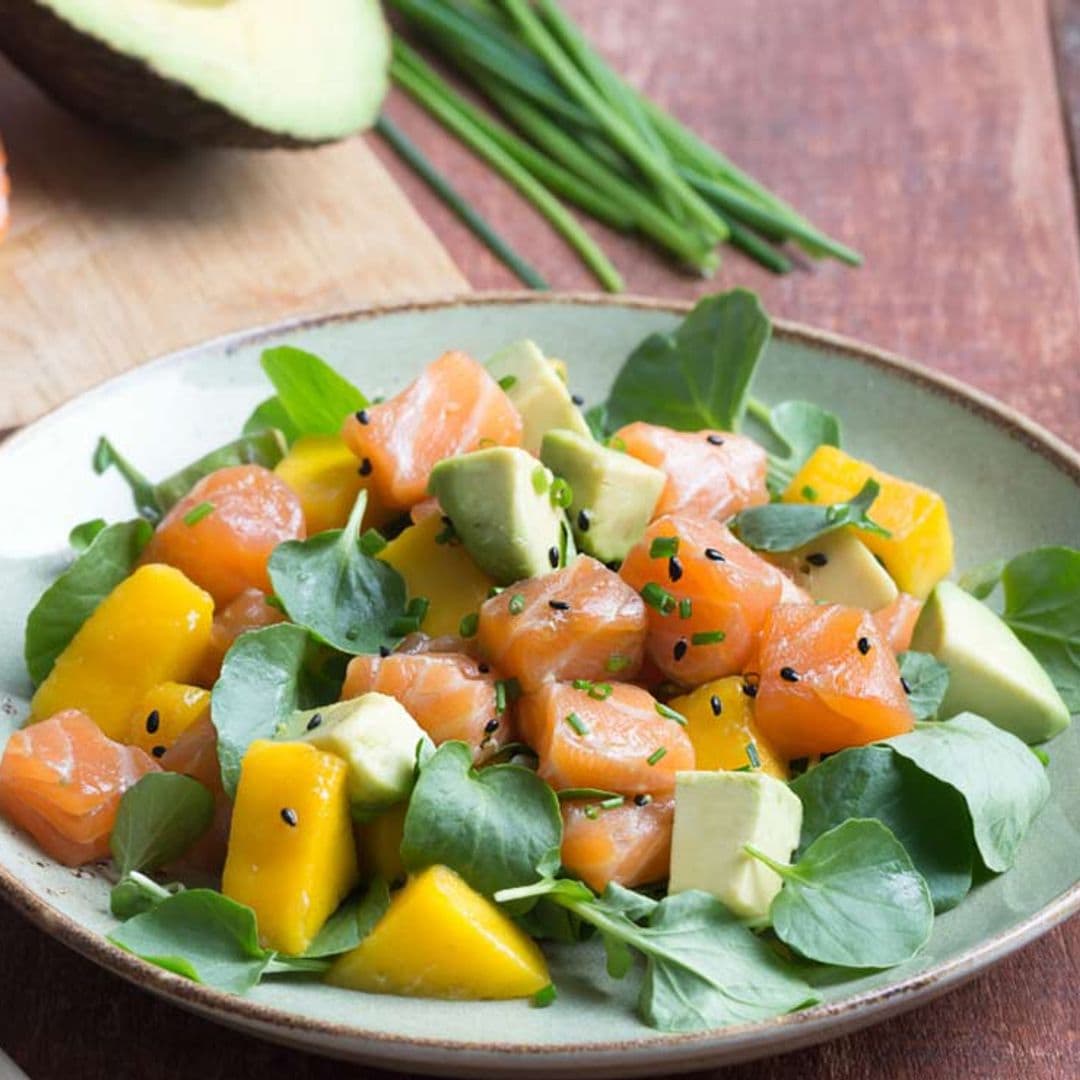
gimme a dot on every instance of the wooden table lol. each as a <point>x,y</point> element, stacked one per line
<point>932,135</point>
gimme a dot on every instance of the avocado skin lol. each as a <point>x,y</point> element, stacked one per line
<point>100,84</point>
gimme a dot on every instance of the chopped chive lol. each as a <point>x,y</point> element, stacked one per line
<point>577,723</point>
<point>517,604</point>
<point>617,443</point>
<point>592,811</point>
<point>469,625</point>
<point>545,997</point>
<point>500,696</point>
<point>418,608</point>
<point>753,756</point>
<point>600,691</point>
<point>656,596</point>
<point>686,607</point>
<point>540,481</point>
<point>372,542</point>
<point>568,794</point>
<point>508,382</point>
<point>613,802</point>
<point>670,714</point>
<point>562,494</point>
<point>656,755</point>
<point>708,637</point>
<point>197,513</point>
<point>616,662</point>
<point>664,547</point>
<point>809,493</point>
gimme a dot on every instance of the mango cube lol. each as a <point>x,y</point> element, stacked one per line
<point>154,627</point>
<point>919,552</point>
<point>164,713</point>
<point>720,724</point>
<point>441,939</point>
<point>291,853</point>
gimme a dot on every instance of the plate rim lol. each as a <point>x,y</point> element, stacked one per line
<point>769,1036</point>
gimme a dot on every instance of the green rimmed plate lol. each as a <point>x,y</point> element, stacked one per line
<point>1009,485</point>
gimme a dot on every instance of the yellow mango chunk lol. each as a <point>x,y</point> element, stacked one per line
<point>291,855</point>
<point>920,551</point>
<point>324,474</point>
<point>163,714</point>
<point>720,724</point>
<point>379,844</point>
<point>154,627</point>
<point>441,939</point>
<point>444,573</point>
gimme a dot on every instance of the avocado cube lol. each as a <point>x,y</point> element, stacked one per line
<point>839,568</point>
<point>500,503</point>
<point>533,384</point>
<point>614,494</point>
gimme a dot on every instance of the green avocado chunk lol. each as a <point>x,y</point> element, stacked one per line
<point>537,391</point>
<point>991,672</point>
<point>500,502</point>
<point>614,493</point>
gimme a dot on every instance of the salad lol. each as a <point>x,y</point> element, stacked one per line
<point>396,693</point>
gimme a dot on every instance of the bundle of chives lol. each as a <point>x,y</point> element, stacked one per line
<point>584,134</point>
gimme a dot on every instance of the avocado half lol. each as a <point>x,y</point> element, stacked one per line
<point>255,73</point>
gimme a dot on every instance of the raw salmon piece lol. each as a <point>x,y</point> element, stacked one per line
<point>897,621</point>
<point>628,844</point>
<point>249,611</point>
<point>450,695</point>
<point>227,551</point>
<point>711,474</point>
<point>620,743</point>
<point>728,588</point>
<point>61,780</point>
<point>827,679</point>
<point>195,754</point>
<point>453,407</point>
<point>581,622</point>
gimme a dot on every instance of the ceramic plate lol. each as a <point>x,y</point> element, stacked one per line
<point>1009,487</point>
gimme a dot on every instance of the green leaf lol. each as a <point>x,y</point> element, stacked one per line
<point>345,598</point>
<point>699,375</point>
<point>85,533</point>
<point>74,596</point>
<point>787,526</point>
<point>202,935</point>
<point>927,681</point>
<point>352,922</point>
<point>801,427</point>
<point>310,392</point>
<point>1042,607</point>
<point>494,826</point>
<point>927,816</point>
<point>159,818</point>
<point>1000,780</point>
<point>265,677</point>
<point>136,894</point>
<point>106,457</point>
<point>853,899</point>
<point>270,415</point>
<point>981,581</point>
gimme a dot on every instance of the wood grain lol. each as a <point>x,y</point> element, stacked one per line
<point>119,252</point>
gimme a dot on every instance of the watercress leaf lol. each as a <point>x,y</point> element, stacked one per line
<point>786,526</point>
<point>73,597</point>
<point>158,819</point>
<point>699,375</point>
<point>927,816</point>
<point>352,922</point>
<point>1042,606</point>
<point>271,415</point>
<point>706,970</point>
<point>548,921</point>
<point>981,581</point>
<point>854,899</point>
<point>202,935</point>
<point>265,677</point>
<point>346,598</point>
<point>597,419</point>
<point>801,427</point>
<point>634,905</point>
<point>106,457</point>
<point>927,680</point>
<point>493,826</point>
<point>136,894</point>
<point>618,956</point>
<point>1002,783</point>
<point>313,395</point>
<point>85,533</point>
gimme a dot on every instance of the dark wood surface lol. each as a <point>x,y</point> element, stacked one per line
<point>932,135</point>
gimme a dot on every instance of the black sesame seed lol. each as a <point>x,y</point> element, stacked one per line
<point>750,684</point>
<point>558,605</point>
<point>491,726</point>
<point>288,815</point>
<point>716,705</point>
<point>483,668</point>
<point>384,651</point>
<point>613,565</point>
<point>159,751</point>
<point>153,722</point>
<point>583,522</point>
<point>715,440</point>
<point>363,417</point>
<point>680,649</point>
<point>365,467</point>
<point>553,557</point>
<point>714,556</point>
<point>642,800</point>
<point>674,568</point>
<point>818,558</point>
<point>789,674</point>
<point>863,645</point>
<point>314,722</point>
<point>905,684</point>
<point>577,399</point>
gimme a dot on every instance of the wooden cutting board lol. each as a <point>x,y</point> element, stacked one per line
<point>119,252</point>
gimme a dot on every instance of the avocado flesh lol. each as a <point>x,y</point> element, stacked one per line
<point>507,525</point>
<point>233,72</point>
<point>839,568</point>
<point>614,494</point>
<point>537,391</point>
<point>991,672</point>
<point>378,741</point>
